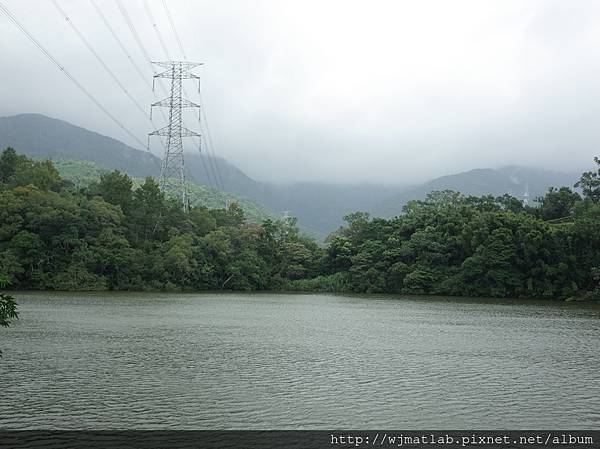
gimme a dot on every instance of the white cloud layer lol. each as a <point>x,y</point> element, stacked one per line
<point>337,90</point>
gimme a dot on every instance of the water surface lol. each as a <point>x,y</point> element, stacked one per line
<point>265,361</point>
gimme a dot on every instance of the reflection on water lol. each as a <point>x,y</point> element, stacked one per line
<point>268,361</point>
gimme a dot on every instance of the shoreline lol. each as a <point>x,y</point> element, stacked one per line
<point>373,296</point>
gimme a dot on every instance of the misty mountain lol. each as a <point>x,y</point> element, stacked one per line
<point>524,183</point>
<point>320,208</point>
<point>39,136</point>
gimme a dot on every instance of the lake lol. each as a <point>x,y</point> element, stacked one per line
<point>274,361</point>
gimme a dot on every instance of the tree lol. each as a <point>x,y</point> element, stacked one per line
<point>9,162</point>
<point>557,203</point>
<point>590,183</point>
<point>8,307</point>
<point>41,174</point>
<point>19,170</point>
<point>115,187</point>
<point>179,258</point>
<point>510,203</point>
<point>202,221</point>
<point>145,219</point>
<point>232,216</point>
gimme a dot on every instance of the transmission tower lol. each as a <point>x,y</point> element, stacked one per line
<point>172,173</point>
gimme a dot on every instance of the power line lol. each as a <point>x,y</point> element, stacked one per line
<point>209,175</point>
<point>140,45</point>
<point>104,65</point>
<point>174,29</point>
<point>209,138</point>
<point>41,48</point>
<point>98,58</point>
<point>211,181</point>
<point>156,29</point>
<point>134,32</point>
<point>128,55</point>
<point>116,37</point>
<point>139,42</point>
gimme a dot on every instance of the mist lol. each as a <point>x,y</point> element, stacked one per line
<point>339,91</point>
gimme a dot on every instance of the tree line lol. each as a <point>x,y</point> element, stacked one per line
<point>111,235</point>
<point>452,244</point>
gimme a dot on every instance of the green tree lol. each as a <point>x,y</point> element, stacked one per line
<point>116,188</point>
<point>202,220</point>
<point>557,203</point>
<point>232,216</point>
<point>8,307</point>
<point>41,174</point>
<point>590,183</point>
<point>145,221</point>
<point>9,162</point>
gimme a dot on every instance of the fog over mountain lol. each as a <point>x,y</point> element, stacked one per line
<point>319,207</point>
<point>333,92</point>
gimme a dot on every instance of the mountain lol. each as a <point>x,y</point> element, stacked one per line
<point>521,182</point>
<point>81,156</point>
<point>43,137</point>
<point>320,208</point>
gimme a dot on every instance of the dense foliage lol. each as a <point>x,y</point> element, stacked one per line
<point>112,234</point>
<point>84,173</point>
<point>451,244</point>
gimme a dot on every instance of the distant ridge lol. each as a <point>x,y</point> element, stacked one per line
<point>319,207</point>
<point>513,180</point>
<point>39,136</point>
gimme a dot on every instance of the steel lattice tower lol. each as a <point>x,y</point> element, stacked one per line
<point>172,173</point>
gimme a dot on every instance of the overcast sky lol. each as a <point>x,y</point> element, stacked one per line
<point>337,91</point>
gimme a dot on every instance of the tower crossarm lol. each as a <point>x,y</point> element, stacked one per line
<point>166,103</point>
<point>181,73</point>
<point>166,132</point>
<point>188,132</point>
<point>187,65</point>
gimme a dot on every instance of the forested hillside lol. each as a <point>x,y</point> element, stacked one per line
<point>452,244</point>
<point>319,207</point>
<point>46,138</point>
<point>519,182</point>
<point>114,234</point>
<point>84,173</point>
<point>43,137</point>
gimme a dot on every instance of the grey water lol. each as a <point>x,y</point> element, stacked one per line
<point>278,361</point>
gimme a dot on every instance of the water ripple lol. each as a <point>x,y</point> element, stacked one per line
<point>297,361</point>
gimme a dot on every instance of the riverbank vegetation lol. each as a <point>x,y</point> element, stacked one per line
<point>8,308</point>
<point>112,235</point>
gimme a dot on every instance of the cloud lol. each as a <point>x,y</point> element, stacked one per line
<point>338,91</point>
